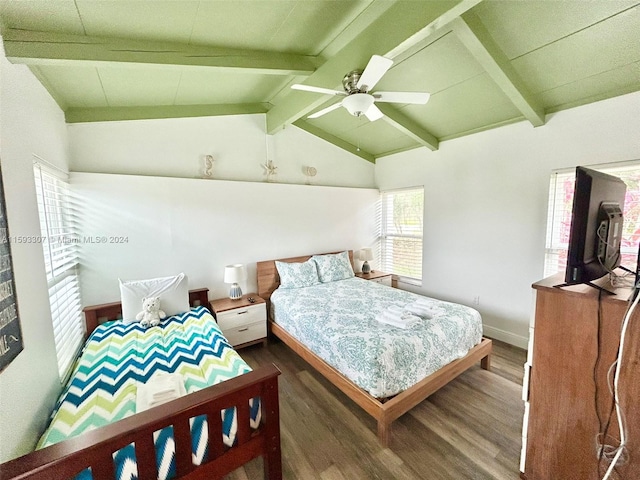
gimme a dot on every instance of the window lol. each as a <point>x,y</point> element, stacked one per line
<point>400,233</point>
<point>58,228</point>
<point>561,205</point>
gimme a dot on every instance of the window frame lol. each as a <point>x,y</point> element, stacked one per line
<point>58,227</point>
<point>384,235</point>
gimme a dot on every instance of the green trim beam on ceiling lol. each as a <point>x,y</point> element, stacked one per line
<point>407,126</point>
<point>400,28</point>
<point>430,33</point>
<point>109,114</point>
<point>475,37</point>
<point>46,48</point>
<point>338,142</point>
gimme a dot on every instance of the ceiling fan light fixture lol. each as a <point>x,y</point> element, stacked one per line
<point>358,103</point>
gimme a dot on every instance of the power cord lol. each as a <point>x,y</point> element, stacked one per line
<point>617,452</point>
<point>616,280</point>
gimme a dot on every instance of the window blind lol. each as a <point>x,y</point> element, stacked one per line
<point>58,226</point>
<point>561,188</point>
<point>400,227</point>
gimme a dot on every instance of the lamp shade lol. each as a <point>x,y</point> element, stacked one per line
<point>366,254</point>
<point>234,273</point>
<point>358,103</point>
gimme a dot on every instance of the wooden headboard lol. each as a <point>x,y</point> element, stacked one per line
<point>268,278</point>
<point>97,314</point>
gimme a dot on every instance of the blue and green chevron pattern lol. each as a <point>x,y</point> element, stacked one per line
<point>118,357</point>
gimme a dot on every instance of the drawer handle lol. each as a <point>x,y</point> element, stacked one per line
<point>243,329</point>
<point>242,313</point>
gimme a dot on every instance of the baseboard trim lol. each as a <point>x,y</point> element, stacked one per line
<point>504,336</point>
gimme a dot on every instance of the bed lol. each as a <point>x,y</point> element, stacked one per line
<point>314,319</point>
<point>206,434</point>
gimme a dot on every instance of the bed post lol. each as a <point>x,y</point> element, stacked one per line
<point>384,431</point>
<point>485,362</point>
<point>272,458</point>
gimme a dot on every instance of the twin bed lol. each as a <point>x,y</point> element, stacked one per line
<point>231,414</point>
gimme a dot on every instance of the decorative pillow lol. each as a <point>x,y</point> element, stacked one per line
<point>297,275</point>
<point>333,267</point>
<point>173,292</point>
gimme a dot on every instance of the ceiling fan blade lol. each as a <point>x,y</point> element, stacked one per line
<point>309,88</point>
<point>376,68</point>
<point>418,98</point>
<point>324,111</point>
<point>373,113</point>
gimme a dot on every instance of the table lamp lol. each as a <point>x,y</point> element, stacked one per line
<point>234,274</point>
<point>366,254</point>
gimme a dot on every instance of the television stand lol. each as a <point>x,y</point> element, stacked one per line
<point>627,269</point>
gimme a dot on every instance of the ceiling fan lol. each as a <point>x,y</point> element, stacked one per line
<point>359,100</point>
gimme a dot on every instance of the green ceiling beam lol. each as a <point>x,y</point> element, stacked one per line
<point>398,29</point>
<point>46,48</point>
<point>475,37</point>
<point>338,142</point>
<point>110,114</point>
<point>408,126</point>
<point>430,33</point>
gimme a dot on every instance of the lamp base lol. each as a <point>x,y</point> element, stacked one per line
<point>236,292</point>
<point>366,268</point>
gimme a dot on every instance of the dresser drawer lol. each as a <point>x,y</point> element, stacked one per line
<point>239,317</point>
<point>246,333</point>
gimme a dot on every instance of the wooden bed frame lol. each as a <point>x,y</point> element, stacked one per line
<point>385,411</point>
<point>94,448</point>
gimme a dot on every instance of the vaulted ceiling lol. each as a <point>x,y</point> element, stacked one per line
<point>485,63</point>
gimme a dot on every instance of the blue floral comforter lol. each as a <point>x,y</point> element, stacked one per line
<point>337,321</point>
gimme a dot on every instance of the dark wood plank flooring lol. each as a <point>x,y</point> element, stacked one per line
<point>469,429</point>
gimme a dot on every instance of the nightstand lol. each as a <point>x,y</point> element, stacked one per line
<point>378,277</point>
<point>242,322</point>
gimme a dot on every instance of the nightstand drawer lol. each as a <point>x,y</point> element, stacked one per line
<point>246,333</point>
<point>243,316</point>
<point>383,280</point>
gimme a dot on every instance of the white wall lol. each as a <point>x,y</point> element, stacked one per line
<point>486,203</point>
<point>199,226</point>
<point>177,147</point>
<point>30,123</point>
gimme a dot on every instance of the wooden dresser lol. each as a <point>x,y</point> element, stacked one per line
<point>561,422</point>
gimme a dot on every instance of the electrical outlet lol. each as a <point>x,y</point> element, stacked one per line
<point>476,300</point>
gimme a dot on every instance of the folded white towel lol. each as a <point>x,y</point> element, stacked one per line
<point>395,310</point>
<point>420,310</point>
<point>423,308</point>
<point>161,388</point>
<point>398,323</point>
<point>397,317</point>
<point>423,301</point>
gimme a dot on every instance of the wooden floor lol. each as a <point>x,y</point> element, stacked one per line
<point>470,429</point>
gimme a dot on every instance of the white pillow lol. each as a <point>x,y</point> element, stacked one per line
<point>297,275</point>
<point>173,292</point>
<point>333,267</point>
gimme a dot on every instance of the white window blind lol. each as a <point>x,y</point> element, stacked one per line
<point>58,226</point>
<point>400,233</point>
<point>559,215</point>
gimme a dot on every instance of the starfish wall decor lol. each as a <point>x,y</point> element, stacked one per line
<point>269,169</point>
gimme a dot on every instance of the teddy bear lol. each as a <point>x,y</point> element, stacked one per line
<point>151,313</point>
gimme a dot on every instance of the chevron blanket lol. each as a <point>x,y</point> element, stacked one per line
<point>119,357</point>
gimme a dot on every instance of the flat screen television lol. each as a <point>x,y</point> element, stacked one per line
<point>596,226</point>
